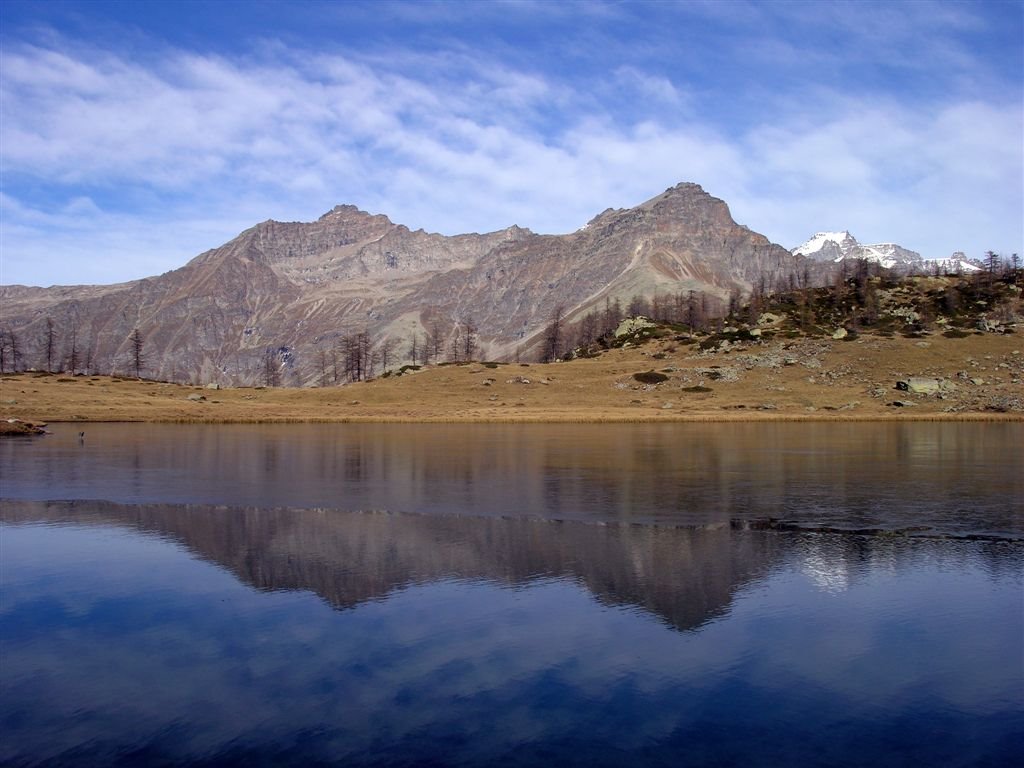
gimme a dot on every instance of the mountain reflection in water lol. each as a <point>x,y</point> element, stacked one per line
<point>172,635</point>
<point>366,595</point>
<point>685,577</point>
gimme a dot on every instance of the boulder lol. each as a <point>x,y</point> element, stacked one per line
<point>632,325</point>
<point>919,385</point>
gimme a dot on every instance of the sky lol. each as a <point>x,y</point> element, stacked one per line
<point>136,135</point>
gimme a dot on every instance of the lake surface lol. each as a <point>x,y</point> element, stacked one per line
<point>708,594</point>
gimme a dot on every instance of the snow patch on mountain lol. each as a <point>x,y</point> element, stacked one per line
<point>958,263</point>
<point>823,244</point>
<point>839,246</point>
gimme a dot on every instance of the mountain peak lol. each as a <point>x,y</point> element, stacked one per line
<point>839,246</point>
<point>295,290</point>
<point>831,242</point>
<point>348,212</point>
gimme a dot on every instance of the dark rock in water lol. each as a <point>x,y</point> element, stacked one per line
<point>19,428</point>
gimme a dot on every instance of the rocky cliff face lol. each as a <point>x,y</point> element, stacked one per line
<point>289,290</point>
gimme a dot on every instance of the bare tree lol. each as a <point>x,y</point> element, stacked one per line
<point>414,347</point>
<point>5,352</point>
<point>372,360</point>
<point>694,317</point>
<point>587,333</point>
<point>638,306</point>
<point>608,322</point>
<point>436,340</point>
<point>138,352</point>
<point>73,356</point>
<point>992,260</point>
<point>735,302</point>
<point>349,357</point>
<point>657,308</point>
<point>453,349</point>
<point>469,341</point>
<point>49,342</point>
<point>387,351</point>
<point>553,335</point>
<point>323,360</point>
<point>363,347</point>
<point>271,375</point>
<point>356,355</point>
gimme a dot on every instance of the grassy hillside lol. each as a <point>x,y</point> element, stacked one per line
<point>917,348</point>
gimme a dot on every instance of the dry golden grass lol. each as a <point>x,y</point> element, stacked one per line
<point>838,380</point>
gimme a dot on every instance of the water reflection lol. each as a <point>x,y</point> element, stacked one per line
<point>938,477</point>
<point>685,577</point>
<point>166,634</point>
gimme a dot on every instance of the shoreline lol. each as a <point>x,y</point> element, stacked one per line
<point>556,418</point>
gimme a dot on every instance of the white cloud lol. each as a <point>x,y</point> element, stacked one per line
<point>147,164</point>
<point>936,181</point>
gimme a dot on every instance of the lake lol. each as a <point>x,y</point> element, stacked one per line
<point>689,594</point>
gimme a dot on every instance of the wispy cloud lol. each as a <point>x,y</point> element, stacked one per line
<point>117,166</point>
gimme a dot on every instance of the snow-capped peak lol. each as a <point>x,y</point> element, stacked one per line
<point>841,241</point>
<point>838,246</point>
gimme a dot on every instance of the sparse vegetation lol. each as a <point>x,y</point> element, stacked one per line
<point>828,352</point>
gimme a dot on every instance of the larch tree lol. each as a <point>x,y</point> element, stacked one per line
<point>49,342</point>
<point>137,352</point>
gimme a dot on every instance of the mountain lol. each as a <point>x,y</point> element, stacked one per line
<point>836,247</point>
<point>840,246</point>
<point>289,291</point>
<point>958,263</point>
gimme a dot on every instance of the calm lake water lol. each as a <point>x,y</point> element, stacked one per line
<point>714,594</point>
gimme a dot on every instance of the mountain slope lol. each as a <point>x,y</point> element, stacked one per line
<point>285,292</point>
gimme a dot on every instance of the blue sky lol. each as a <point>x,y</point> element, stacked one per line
<point>134,136</point>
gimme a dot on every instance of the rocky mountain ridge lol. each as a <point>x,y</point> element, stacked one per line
<point>282,293</point>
